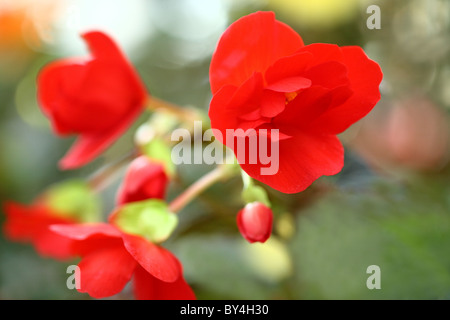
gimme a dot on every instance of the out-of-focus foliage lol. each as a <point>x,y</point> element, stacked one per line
<point>390,206</point>
<point>403,229</point>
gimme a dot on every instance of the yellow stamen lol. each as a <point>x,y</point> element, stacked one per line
<point>290,96</point>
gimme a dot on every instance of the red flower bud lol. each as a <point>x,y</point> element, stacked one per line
<point>255,222</point>
<point>96,98</point>
<point>143,180</point>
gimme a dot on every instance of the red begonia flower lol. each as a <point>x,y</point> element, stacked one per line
<point>31,224</point>
<point>96,98</point>
<point>263,77</point>
<point>143,180</point>
<point>255,222</point>
<point>111,258</point>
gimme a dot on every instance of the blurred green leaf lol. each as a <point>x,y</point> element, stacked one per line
<point>227,267</point>
<point>75,199</point>
<point>25,275</point>
<point>150,219</point>
<point>405,231</point>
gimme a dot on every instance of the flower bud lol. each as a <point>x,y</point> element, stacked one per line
<point>255,222</point>
<point>143,180</point>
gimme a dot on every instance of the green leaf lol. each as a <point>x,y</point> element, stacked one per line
<point>228,267</point>
<point>150,219</point>
<point>74,199</point>
<point>403,230</point>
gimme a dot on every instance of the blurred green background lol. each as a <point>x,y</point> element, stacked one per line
<point>390,206</point>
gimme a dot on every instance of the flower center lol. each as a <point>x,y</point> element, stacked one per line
<point>290,96</point>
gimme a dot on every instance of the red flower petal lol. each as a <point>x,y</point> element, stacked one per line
<point>85,231</point>
<point>158,261</point>
<point>272,103</point>
<point>67,75</point>
<point>302,159</point>
<point>53,245</point>
<point>290,66</point>
<point>221,116</point>
<point>147,287</point>
<point>290,84</point>
<point>265,130</point>
<point>102,47</point>
<point>309,105</point>
<point>241,51</point>
<point>322,53</point>
<point>365,76</point>
<point>89,146</point>
<point>62,82</point>
<point>19,225</point>
<point>97,98</point>
<point>247,96</point>
<point>87,238</point>
<point>105,271</point>
<point>233,107</point>
<point>31,224</point>
<point>330,74</point>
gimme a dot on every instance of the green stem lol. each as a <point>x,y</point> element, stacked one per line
<point>105,175</point>
<point>246,180</point>
<point>182,113</point>
<point>221,172</point>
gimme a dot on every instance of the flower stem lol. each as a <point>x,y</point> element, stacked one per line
<point>105,175</point>
<point>221,172</point>
<point>182,113</point>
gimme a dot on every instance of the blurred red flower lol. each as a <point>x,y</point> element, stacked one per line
<point>96,98</point>
<point>143,180</point>
<point>410,133</point>
<point>31,224</point>
<point>255,222</point>
<point>110,258</point>
<point>263,77</point>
